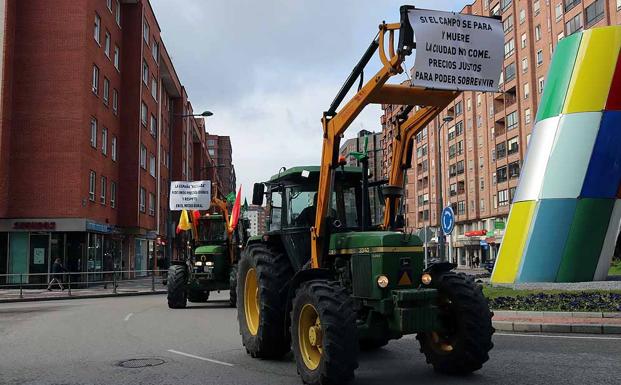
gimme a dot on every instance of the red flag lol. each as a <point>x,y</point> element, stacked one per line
<point>235,213</point>
<point>195,216</point>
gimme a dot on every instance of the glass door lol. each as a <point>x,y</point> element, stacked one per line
<point>18,256</point>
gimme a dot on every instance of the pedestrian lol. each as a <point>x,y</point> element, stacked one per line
<point>476,261</point>
<point>57,275</point>
<point>108,269</point>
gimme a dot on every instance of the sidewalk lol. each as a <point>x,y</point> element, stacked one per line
<point>139,286</point>
<point>557,322</point>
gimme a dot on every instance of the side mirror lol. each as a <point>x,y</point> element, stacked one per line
<point>258,192</point>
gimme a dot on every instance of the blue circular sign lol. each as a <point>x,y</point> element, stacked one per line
<point>448,220</point>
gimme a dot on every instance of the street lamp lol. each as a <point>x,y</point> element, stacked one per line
<point>204,114</point>
<point>441,237</point>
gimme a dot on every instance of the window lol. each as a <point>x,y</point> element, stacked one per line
<point>92,177</point>
<point>104,141</point>
<point>574,25</point>
<point>155,50</point>
<point>501,174</point>
<point>469,104</point>
<point>211,142</point>
<point>94,132</point>
<point>152,165</point>
<point>501,150</point>
<point>212,152</point>
<point>482,204</point>
<point>117,58</point>
<point>514,169</point>
<point>509,48</point>
<point>510,72</point>
<point>460,167</point>
<point>117,13</point>
<point>153,126</point>
<point>106,94</point>
<point>154,88</point>
<point>97,29</point>
<point>558,11</point>
<point>458,109</point>
<point>507,24</point>
<point>109,4</point>
<point>513,145</point>
<point>511,193</point>
<point>503,198</point>
<point>451,133</point>
<point>102,196</point>
<point>527,116</point>
<point>538,32</point>
<point>143,156</point>
<point>421,151</point>
<point>523,41</point>
<point>482,184</point>
<point>141,201</point>
<point>536,7</point>
<point>594,12</point>
<point>496,10</point>
<point>144,112</point>
<point>562,35</point>
<point>569,4</point>
<point>459,128</point>
<point>107,45</point>
<point>461,207</point>
<point>526,90</point>
<point>540,82</point>
<point>95,85</point>
<point>113,194</point>
<point>512,120</point>
<point>151,204</point>
<point>524,65</point>
<point>618,5</point>
<point>113,148</point>
<point>504,4</point>
<point>522,15</point>
<point>145,73</point>
<point>539,58</point>
<point>478,100</point>
<point>145,32</point>
<point>115,101</point>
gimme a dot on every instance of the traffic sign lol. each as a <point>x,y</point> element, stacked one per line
<point>448,220</point>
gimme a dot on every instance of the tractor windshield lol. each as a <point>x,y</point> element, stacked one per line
<point>212,229</point>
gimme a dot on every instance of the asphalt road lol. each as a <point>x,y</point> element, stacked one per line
<point>82,342</point>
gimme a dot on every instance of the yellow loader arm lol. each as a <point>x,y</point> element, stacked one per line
<point>219,203</point>
<point>374,91</point>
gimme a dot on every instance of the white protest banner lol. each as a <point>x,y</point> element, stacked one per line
<point>194,195</point>
<point>456,51</point>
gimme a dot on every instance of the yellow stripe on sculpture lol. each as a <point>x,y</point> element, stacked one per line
<point>513,242</point>
<point>588,89</point>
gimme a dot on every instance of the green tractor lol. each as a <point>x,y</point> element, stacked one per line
<point>325,281</point>
<point>213,266</point>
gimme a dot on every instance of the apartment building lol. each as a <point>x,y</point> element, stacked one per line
<point>220,150</point>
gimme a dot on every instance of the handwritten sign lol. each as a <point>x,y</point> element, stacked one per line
<point>194,195</point>
<point>456,51</point>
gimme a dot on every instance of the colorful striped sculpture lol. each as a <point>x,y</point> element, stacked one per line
<point>566,212</point>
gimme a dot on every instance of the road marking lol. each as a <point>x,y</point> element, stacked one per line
<point>200,358</point>
<point>552,336</point>
<point>127,317</point>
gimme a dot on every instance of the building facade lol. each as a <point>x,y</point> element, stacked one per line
<point>220,150</point>
<point>94,126</point>
<point>256,215</point>
<point>483,137</point>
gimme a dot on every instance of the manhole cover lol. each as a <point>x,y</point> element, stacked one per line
<point>141,362</point>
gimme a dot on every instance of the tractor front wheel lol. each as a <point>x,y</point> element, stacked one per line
<point>177,294</point>
<point>462,343</point>
<point>323,333</point>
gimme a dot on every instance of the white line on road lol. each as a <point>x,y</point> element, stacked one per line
<point>200,358</point>
<point>553,336</point>
<point>127,317</point>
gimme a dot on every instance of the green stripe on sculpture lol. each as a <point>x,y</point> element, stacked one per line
<point>585,240</point>
<point>559,76</point>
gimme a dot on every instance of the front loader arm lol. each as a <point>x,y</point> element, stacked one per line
<point>219,203</point>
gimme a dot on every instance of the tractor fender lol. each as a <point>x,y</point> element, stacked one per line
<point>299,278</point>
<point>441,267</point>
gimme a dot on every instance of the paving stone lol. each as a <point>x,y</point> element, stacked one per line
<point>587,314</point>
<point>505,326</point>
<point>556,328</point>
<point>526,327</point>
<point>587,328</point>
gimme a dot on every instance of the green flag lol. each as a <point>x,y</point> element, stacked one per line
<point>361,155</point>
<point>230,198</point>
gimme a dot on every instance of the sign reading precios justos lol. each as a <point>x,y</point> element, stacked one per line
<point>456,51</point>
<point>195,195</point>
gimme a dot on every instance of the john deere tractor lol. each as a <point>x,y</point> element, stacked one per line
<point>212,267</point>
<point>326,281</point>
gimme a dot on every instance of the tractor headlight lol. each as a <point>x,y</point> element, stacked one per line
<point>425,279</point>
<point>198,263</point>
<point>382,281</point>
<point>209,263</point>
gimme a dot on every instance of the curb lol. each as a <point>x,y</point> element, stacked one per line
<point>510,326</point>
<point>575,314</point>
<point>36,299</point>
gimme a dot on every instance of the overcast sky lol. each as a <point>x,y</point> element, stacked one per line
<point>268,69</point>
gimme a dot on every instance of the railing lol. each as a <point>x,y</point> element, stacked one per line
<point>18,285</point>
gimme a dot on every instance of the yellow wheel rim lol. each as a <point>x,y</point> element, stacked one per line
<point>310,336</point>
<point>251,301</point>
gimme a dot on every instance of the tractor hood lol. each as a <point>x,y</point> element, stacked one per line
<point>355,242</point>
<point>209,249</point>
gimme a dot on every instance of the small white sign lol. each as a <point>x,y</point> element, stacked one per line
<point>38,256</point>
<point>456,51</point>
<point>194,195</point>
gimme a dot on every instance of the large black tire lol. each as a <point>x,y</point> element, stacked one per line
<point>464,344</point>
<point>177,287</point>
<point>333,357</point>
<point>272,270</point>
<point>233,286</point>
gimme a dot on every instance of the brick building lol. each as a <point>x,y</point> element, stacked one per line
<point>256,215</point>
<point>484,144</point>
<point>220,150</point>
<point>94,126</point>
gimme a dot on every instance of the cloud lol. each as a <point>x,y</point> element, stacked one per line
<point>268,69</point>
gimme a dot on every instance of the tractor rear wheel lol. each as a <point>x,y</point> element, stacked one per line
<point>177,294</point>
<point>263,271</point>
<point>233,286</point>
<point>463,343</point>
<point>323,333</point>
